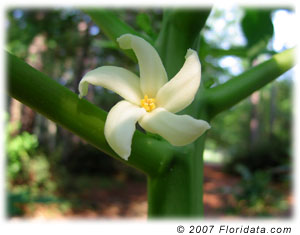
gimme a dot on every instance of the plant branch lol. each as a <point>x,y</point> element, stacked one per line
<point>179,32</point>
<point>224,96</point>
<point>84,119</point>
<point>113,27</point>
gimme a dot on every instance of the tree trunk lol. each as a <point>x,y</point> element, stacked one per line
<point>272,108</point>
<point>28,119</point>
<point>82,54</point>
<point>254,121</point>
<point>34,58</point>
<point>15,114</point>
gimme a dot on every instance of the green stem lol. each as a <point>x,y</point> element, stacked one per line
<point>179,31</point>
<point>113,27</point>
<point>178,192</point>
<point>224,96</point>
<point>62,106</point>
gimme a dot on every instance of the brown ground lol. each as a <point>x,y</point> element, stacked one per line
<point>130,201</point>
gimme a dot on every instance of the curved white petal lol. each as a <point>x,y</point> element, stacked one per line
<point>152,72</point>
<point>180,91</point>
<point>119,80</point>
<point>179,130</point>
<point>120,126</point>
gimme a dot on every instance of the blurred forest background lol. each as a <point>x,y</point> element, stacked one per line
<point>248,159</point>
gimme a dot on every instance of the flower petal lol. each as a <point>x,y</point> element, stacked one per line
<point>180,91</point>
<point>119,80</point>
<point>152,72</point>
<point>179,130</point>
<point>120,126</point>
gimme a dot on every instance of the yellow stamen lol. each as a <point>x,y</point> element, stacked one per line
<point>148,104</point>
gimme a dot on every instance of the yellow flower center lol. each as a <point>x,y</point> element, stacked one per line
<point>148,104</point>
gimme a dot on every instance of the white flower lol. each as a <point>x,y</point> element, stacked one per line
<point>150,100</point>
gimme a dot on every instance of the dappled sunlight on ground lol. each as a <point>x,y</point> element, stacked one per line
<point>130,201</point>
<point>218,188</point>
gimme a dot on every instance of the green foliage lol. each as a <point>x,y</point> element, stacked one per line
<point>272,148</point>
<point>19,148</point>
<point>144,22</point>
<point>257,26</point>
<point>25,165</point>
<point>265,155</point>
<point>26,24</point>
<point>28,171</point>
<point>256,196</point>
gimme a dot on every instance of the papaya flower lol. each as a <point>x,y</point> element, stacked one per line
<point>151,100</point>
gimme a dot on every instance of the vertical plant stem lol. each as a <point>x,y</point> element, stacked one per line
<point>178,192</point>
<point>180,29</point>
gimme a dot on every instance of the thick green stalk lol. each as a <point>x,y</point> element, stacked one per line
<point>62,106</point>
<point>179,32</point>
<point>224,96</point>
<point>178,192</point>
